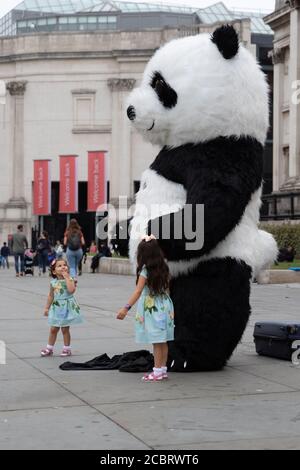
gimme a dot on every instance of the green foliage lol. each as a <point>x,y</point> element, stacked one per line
<point>286,265</point>
<point>285,234</point>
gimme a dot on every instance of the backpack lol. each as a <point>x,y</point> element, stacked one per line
<point>74,241</point>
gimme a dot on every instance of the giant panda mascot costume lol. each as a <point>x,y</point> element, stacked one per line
<point>204,100</point>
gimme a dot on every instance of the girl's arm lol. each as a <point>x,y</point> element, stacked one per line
<point>49,301</point>
<point>71,288</point>
<point>133,299</point>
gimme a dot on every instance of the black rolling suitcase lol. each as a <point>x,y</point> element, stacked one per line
<point>277,339</point>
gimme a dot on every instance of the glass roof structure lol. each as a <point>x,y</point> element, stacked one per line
<point>135,7</point>
<point>219,12</point>
<point>258,25</point>
<point>76,6</point>
<point>47,8</point>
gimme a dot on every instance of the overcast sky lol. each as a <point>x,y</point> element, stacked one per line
<point>7,5</point>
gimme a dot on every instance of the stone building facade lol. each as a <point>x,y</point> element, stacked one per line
<point>285,22</point>
<point>66,91</point>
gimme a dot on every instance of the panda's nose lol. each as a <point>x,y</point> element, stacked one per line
<point>131,113</point>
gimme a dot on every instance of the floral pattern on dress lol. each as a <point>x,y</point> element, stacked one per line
<point>64,310</point>
<point>154,321</point>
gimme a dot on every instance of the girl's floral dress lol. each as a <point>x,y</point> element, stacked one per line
<point>64,310</point>
<point>154,320</point>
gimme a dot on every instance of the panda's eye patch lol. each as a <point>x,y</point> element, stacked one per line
<point>166,95</point>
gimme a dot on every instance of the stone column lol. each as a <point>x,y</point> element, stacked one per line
<point>278,61</point>
<point>120,162</point>
<point>294,106</point>
<point>17,91</point>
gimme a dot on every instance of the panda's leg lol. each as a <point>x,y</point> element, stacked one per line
<point>211,313</point>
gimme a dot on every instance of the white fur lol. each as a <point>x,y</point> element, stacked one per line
<point>216,97</point>
<point>158,196</point>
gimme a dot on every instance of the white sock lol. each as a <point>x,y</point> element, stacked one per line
<point>157,371</point>
<point>67,347</point>
<point>50,347</point>
<point>164,369</point>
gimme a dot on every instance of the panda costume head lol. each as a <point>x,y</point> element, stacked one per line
<point>204,100</point>
<point>198,88</point>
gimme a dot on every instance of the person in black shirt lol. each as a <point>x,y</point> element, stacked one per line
<point>43,248</point>
<point>5,253</point>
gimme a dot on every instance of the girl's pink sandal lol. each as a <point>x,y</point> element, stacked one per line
<point>46,352</point>
<point>66,353</point>
<point>153,378</point>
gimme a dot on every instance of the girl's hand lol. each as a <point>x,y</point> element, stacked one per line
<point>46,312</point>
<point>66,275</point>
<point>122,314</point>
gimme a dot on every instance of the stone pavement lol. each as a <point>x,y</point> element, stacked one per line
<point>253,404</point>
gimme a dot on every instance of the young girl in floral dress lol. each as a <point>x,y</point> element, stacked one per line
<point>154,321</point>
<point>62,308</point>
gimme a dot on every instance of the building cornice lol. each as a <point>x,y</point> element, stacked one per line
<point>118,55</point>
<point>282,15</point>
<point>278,16</point>
<point>90,45</point>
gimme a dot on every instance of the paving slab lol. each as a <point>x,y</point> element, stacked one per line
<point>254,403</point>
<point>74,428</point>
<point>189,422</point>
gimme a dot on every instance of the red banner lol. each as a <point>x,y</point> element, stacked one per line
<point>96,180</point>
<point>68,189</point>
<point>41,188</point>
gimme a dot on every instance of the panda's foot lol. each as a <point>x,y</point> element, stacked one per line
<point>196,366</point>
<point>183,360</point>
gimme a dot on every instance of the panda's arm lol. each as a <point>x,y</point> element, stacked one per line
<point>225,194</point>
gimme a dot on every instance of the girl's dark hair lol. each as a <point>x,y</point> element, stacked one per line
<point>53,267</point>
<point>151,256</point>
<point>45,234</point>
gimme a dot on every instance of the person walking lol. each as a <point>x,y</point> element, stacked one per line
<point>43,249</point>
<point>19,245</point>
<point>5,253</point>
<point>74,241</point>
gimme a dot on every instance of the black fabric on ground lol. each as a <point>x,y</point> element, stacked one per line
<point>135,361</point>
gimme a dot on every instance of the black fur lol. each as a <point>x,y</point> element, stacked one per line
<point>222,174</point>
<point>166,95</point>
<point>227,41</point>
<point>212,310</point>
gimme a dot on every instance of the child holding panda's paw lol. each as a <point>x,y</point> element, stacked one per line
<point>154,321</point>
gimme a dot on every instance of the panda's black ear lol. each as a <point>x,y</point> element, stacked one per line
<point>227,41</point>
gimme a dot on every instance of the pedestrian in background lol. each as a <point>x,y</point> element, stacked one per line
<point>5,253</point>
<point>59,250</point>
<point>43,248</point>
<point>19,245</point>
<point>74,241</point>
